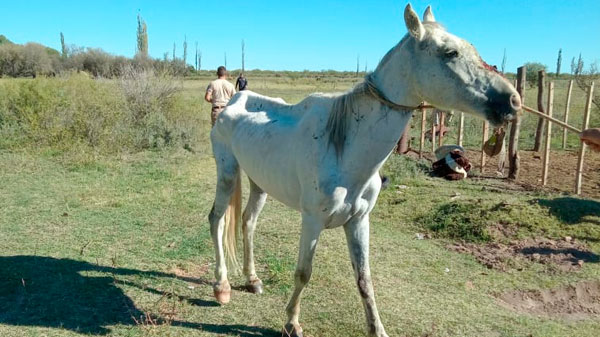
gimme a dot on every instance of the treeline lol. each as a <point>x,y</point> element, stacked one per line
<point>33,59</point>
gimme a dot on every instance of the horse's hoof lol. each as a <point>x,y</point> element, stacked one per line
<point>290,330</point>
<point>254,286</point>
<point>222,292</point>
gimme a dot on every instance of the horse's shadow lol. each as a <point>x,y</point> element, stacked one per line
<point>573,210</point>
<point>83,297</point>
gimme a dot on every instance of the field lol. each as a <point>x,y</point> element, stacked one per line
<point>117,244</point>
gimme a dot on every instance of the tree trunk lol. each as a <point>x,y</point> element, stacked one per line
<point>541,121</point>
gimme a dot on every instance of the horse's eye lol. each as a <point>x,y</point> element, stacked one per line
<point>451,53</point>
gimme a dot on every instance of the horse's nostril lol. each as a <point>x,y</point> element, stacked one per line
<point>515,101</point>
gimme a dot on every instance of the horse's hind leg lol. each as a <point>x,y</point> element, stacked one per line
<point>227,175</point>
<point>256,201</point>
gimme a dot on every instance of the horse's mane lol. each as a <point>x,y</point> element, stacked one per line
<point>345,104</point>
<point>337,123</point>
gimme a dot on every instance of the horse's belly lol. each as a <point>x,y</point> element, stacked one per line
<point>268,156</point>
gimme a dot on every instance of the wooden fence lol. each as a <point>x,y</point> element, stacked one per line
<point>513,136</point>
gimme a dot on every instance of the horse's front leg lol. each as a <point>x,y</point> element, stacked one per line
<point>311,229</point>
<point>357,235</point>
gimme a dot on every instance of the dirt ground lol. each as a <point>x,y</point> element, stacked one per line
<point>573,302</point>
<point>561,173</point>
<point>556,255</point>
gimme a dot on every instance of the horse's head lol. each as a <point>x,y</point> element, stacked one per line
<point>448,73</point>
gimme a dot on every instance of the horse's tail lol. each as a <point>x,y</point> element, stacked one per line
<point>232,224</point>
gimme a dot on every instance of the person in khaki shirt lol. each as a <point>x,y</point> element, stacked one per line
<point>218,93</point>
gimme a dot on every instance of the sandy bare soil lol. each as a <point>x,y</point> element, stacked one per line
<point>561,175</point>
<point>577,301</point>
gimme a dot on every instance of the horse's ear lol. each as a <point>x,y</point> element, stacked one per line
<point>428,15</point>
<point>413,24</point>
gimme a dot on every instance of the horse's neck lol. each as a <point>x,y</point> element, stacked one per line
<point>374,131</point>
<point>394,76</point>
<point>375,128</point>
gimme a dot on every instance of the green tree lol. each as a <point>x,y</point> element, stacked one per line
<point>142,38</point>
<point>532,72</point>
<point>4,40</point>
<point>63,46</point>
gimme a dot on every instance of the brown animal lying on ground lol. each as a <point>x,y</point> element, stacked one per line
<point>592,138</point>
<point>452,163</point>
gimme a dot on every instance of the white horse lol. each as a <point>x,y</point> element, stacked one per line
<point>322,156</point>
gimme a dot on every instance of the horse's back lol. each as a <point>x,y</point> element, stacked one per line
<point>269,137</point>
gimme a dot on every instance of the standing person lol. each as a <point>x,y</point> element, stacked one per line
<point>241,82</point>
<point>219,93</point>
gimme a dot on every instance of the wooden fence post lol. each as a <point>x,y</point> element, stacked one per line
<point>513,147</point>
<point>441,128</point>
<point>433,117</point>
<point>546,160</point>
<point>485,137</point>
<point>423,125</point>
<point>501,157</point>
<point>403,144</point>
<point>564,140</point>
<point>537,145</point>
<point>461,128</point>
<point>586,121</point>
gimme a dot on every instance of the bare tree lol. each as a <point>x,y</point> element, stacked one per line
<point>357,63</point>
<point>184,50</point>
<point>558,62</point>
<point>225,58</point>
<point>174,56</point>
<point>579,68</point>
<point>243,55</point>
<point>585,78</point>
<point>503,67</point>
<point>196,57</point>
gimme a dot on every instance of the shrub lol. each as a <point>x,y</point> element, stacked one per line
<point>141,111</point>
<point>459,221</point>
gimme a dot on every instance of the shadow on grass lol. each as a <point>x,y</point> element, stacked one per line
<point>60,293</point>
<point>232,329</point>
<point>573,210</point>
<point>572,254</point>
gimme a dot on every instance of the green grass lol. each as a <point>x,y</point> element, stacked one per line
<point>85,247</point>
<point>89,241</point>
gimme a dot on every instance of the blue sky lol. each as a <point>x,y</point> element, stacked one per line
<point>314,35</point>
